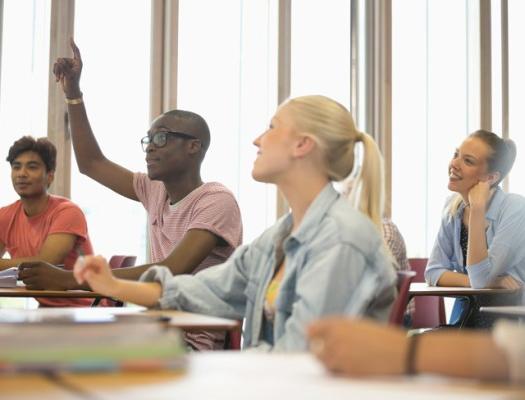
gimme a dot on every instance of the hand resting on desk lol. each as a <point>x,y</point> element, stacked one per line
<point>506,282</point>
<point>360,347</point>
<point>344,347</point>
<point>40,275</point>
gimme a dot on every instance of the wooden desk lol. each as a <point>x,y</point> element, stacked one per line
<point>191,321</point>
<point>32,386</point>
<point>262,376</point>
<point>422,289</point>
<point>178,319</point>
<point>127,385</point>
<point>21,291</point>
<point>510,311</point>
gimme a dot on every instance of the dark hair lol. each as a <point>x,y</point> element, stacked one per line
<point>197,122</point>
<point>42,146</point>
<point>503,152</point>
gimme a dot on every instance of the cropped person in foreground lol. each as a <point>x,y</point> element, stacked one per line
<point>361,347</point>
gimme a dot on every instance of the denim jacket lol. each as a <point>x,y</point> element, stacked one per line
<point>505,235</point>
<point>335,264</point>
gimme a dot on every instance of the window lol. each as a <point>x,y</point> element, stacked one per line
<point>23,87</point>
<point>434,106</point>
<point>227,74</point>
<point>115,82</point>
<point>517,93</point>
<point>24,78</point>
<point>320,55</point>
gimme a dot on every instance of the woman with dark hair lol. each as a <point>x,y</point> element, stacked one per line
<point>481,242</point>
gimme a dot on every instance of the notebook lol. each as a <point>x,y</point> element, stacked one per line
<point>8,277</point>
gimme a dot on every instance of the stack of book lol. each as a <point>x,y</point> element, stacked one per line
<point>142,344</point>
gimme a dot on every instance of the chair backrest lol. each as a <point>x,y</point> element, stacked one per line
<point>418,265</point>
<point>430,310</point>
<point>122,261</point>
<point>404,278</point>
<point>117,262</point>
<point>233,338</point>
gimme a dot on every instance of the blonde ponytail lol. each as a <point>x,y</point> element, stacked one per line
<point>333,128</point>
<point>368,187</point>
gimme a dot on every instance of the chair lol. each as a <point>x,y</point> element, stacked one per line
<point>233,338</point>
<point>404,278</point>
<point>122,261</point>
<point>430,310</point>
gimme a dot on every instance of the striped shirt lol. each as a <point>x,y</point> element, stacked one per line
<point>396,244</point>
<point>211,207</point>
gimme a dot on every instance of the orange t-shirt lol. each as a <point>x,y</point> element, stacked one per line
<point>23,236</point>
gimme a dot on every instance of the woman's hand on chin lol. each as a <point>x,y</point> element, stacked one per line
<point>479,195</point>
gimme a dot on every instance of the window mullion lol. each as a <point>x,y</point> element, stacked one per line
<point>62,28</point>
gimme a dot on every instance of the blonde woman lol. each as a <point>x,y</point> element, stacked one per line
<point>481,242</point>
<point>322,258</point>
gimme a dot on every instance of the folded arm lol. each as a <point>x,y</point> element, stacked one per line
<point>55,249</point>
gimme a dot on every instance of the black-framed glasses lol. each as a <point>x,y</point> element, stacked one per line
<point>159,139</point>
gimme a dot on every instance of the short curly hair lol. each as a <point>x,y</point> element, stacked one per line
<point>42,146</point>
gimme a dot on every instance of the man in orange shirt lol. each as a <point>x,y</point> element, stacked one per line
<point>40,226</point>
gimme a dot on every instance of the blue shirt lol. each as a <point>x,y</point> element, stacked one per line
<point>335,264</point>
<point>505,235</point>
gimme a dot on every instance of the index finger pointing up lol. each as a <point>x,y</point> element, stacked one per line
<point>76,51</point>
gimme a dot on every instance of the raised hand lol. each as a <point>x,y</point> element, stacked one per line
<point>67,71</point>
<point>96,272</point>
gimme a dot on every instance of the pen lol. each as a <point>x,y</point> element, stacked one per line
<point>80,258</point>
